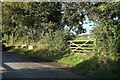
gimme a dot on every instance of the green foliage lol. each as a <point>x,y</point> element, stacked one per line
<point>81,42</point>
<point>89,65</point>
<point>73,17</point>
<point>13,18</point>
<point>34,20</point>
<point>107,16</point>
<point>81,38</point>
<point>107,40</point>
<point>32,53</point>
<point>97,68</point>
<point>74,59</point>
<point>50,32</point>
<point>57,41</point>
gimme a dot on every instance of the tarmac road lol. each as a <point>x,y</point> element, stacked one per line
<point>15,66</point>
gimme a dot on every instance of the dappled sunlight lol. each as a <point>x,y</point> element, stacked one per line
<point>54,39</point>
<point>28,69</point>
<point>22,65</point>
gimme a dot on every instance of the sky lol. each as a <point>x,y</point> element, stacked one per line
<point>88,26</point>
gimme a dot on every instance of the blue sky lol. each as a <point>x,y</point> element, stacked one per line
<point>88,26</point>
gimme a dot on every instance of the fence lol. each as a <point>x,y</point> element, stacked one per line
<point>81,46</point>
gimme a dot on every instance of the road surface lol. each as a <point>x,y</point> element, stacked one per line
<point>15,66</point>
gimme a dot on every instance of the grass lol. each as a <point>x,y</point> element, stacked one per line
<point>46,54</point>
<point>73,59</point>
<point>89,65</point>
<point>81,38</point>
<point>85,64</point>
<point>98,69</point>
<point>81,42</point>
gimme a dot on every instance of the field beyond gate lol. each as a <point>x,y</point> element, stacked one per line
<point>81,45</point>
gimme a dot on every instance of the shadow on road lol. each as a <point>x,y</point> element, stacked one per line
<point>16,66</point>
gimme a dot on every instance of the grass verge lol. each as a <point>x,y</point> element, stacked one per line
<point>88,65</point>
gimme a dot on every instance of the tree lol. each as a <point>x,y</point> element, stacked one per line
<point>34,19</point>
<point>107,34</point>
<point>44,16</point>
<point>12,18</point>
<point>73,17</point>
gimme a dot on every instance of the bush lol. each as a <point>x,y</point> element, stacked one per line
<point>57,42</point>
<point>98,69</point>
<point>107,47</point>
<point>54,43</point>
<point>106,40</point>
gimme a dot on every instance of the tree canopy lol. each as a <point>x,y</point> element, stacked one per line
<point>107,33</point>
<point>34,19</point>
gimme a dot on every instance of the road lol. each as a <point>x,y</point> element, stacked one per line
<point>15,66</point>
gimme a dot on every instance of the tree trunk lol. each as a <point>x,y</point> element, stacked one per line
<point>12,38</point>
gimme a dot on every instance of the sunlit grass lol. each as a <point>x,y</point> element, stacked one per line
<point>74,59</point>
<point>82,38</point>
